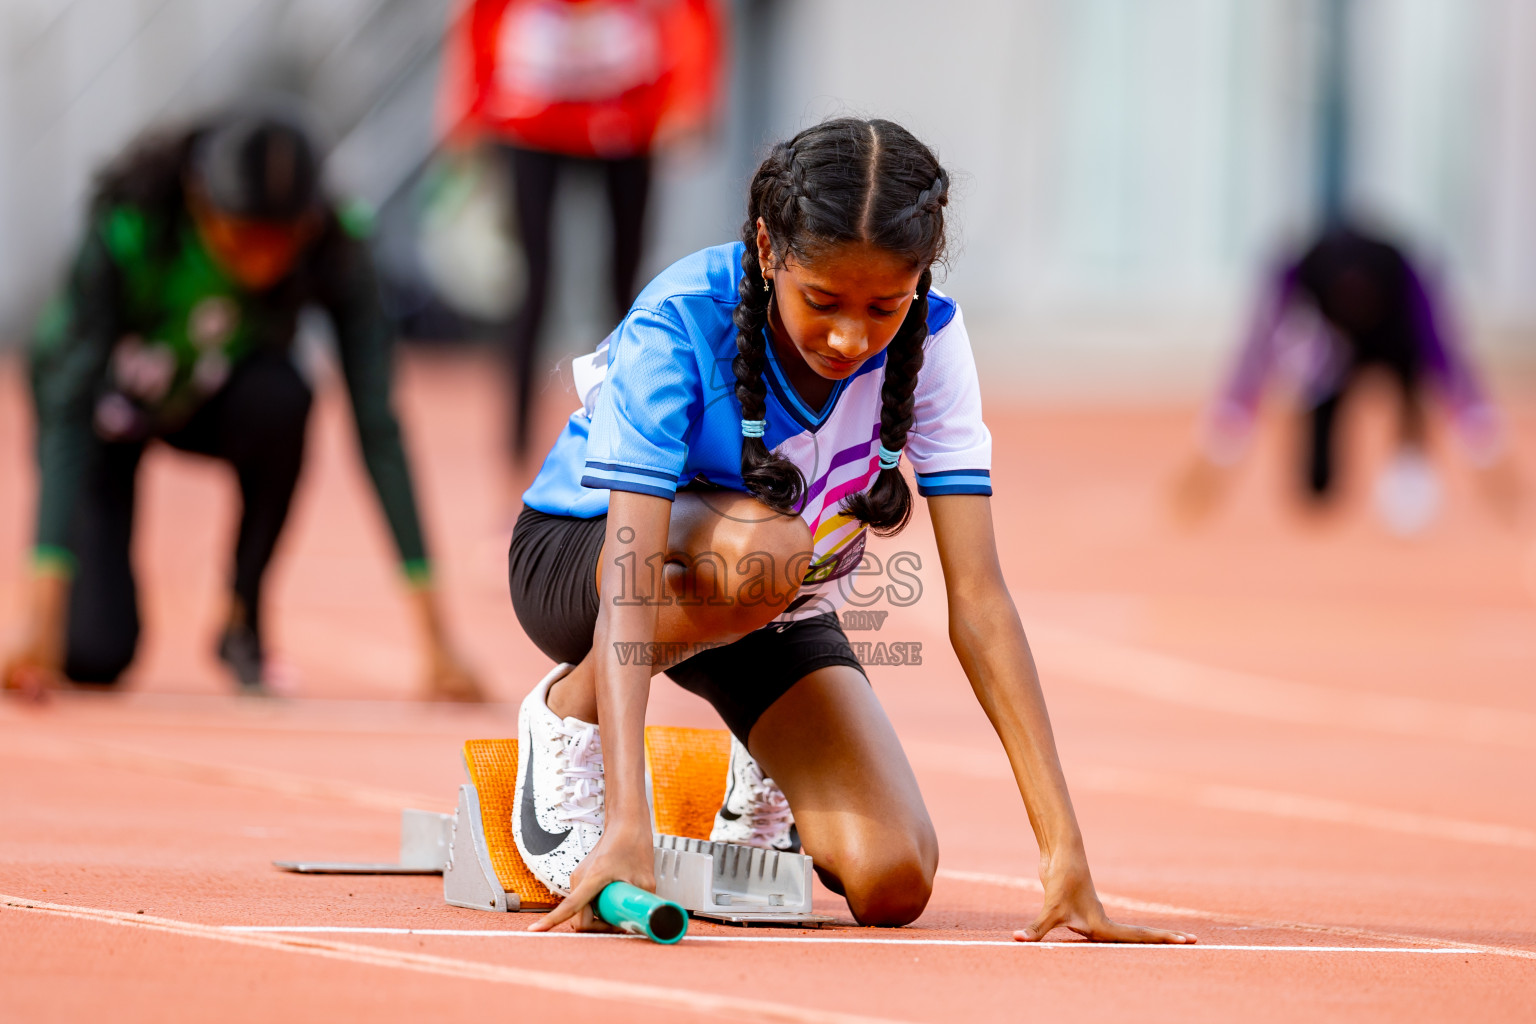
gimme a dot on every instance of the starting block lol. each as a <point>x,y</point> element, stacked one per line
<point>424,839</point>
<point>474,850</point>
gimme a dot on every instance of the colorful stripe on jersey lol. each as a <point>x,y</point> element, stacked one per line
<point>955,481</point>
<point>614,477</point>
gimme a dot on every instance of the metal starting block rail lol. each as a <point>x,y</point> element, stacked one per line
<point>424,837</point>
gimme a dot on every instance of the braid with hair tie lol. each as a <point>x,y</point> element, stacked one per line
<point>770,478</point>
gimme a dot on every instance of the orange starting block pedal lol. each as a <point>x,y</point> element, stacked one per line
<point>484,869</point>
<point>686,771</point>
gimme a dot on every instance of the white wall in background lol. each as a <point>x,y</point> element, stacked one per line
<point>1131,163</point>
<point>1125,166</point>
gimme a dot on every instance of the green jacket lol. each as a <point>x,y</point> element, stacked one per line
<point>149,323</point>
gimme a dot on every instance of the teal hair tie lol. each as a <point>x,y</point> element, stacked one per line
<point>753,428</point>
<point>888,458</point>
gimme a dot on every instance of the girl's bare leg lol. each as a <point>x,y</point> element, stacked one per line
<point>827,742</point>
<point>831,749</point>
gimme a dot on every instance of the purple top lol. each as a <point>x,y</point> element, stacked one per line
<point>1318,358</point>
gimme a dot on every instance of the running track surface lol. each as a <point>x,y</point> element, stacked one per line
<point>1309,743</point>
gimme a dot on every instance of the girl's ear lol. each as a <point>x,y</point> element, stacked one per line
<point>764,247</point>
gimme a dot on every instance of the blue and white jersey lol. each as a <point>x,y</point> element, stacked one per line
<point>659,411</point>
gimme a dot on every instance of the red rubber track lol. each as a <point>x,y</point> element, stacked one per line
<point>1280,731</point>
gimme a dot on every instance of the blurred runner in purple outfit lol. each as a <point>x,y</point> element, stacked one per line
<point>1373,313</point>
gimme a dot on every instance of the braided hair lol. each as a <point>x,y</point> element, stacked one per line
<point>846,180</point>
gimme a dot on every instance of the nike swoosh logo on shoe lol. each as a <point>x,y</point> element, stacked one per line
<point>730,787</point>
<point>536,840</point>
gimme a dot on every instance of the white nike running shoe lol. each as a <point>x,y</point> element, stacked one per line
<point>557,816</point>
<point>755,811</point>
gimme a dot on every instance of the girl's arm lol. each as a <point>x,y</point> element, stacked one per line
<point>627,612</point>
<point>989,640</point>
<point>365,346</point>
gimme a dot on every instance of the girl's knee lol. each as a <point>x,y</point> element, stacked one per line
<point>759,531</point>
<point>894,894</point>
<point>749,572</point>
<point>886,885</point>
<point>99,664</point>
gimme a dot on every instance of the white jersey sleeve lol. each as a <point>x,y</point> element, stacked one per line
<point>949,445</point>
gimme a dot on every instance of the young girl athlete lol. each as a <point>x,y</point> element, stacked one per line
<point>742,428</point>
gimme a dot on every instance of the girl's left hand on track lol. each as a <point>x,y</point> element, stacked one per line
<point>621,855</point>
<point>1501,487</point>
<point>1070,901</point>
<point>1196,491</point>
<point>30,677</point>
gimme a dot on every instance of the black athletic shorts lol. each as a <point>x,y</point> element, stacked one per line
<point>552,568</point>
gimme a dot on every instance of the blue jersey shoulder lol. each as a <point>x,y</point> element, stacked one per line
<point>941,310</point>
<point>710,273</point>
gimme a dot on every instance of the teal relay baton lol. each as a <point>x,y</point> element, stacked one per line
<point>639,912</point>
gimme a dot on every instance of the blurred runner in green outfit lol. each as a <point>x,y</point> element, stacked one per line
<point>177,323</point>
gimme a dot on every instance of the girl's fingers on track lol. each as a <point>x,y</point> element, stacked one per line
<point>579,899</point>
<point>1049,918</point>
<point>590,922</point>
<point>1111,931</point>
<point>28,681</point>
<point>1098,929</point>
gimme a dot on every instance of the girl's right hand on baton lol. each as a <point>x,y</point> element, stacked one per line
<point>621,855</point>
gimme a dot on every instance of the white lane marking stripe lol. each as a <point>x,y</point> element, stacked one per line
<point>1069,654</point>
<point>1170,910</point>
<point>708,1004</point>
<point>956,759</point>
<point>491,933</point>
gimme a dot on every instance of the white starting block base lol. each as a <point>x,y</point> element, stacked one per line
<point>738,884</point>
<point>719,881</point>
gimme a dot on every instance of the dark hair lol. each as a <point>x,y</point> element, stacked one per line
<point>256,164</point>
<point>263,165</point>
<point>844,180</point>
<point>150,176</point>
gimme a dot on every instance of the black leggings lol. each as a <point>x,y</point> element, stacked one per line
<point>1320,454</point>
<point>534,176</point>
<point>256,423</point>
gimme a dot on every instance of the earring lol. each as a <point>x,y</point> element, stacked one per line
<point>766,281</point>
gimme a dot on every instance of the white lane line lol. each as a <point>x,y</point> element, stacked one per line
<point>1079,657</point>
<point>974,762</point>
<point>1169,910</point>
<point>493,933</point>
<point>590,986</point>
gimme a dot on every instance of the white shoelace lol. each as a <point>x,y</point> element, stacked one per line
<point>581,779</point>
<point>767,808</point>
